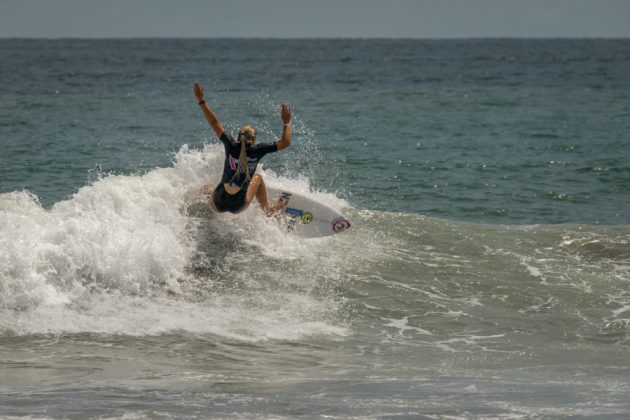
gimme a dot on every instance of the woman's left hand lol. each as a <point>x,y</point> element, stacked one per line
<point>198,91</point>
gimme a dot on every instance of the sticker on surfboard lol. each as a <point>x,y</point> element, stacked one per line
<point>307,217</point>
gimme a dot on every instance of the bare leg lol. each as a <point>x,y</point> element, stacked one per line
<point>257,188</point>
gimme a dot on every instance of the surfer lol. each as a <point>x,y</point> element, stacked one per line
<point>239,183</point>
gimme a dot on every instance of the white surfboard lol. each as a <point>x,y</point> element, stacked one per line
<point>306,217</point>
<point>302,216</point>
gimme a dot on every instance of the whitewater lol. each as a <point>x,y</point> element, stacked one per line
<point>399,300</point>
<point>122,256</point>
<point>486,273</point>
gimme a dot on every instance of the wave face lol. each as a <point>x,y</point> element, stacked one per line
<point>121,273</point>
<point>466,287</point>
<point>122,256</point>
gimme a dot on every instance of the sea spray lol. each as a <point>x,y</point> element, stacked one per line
<point>122,256</point>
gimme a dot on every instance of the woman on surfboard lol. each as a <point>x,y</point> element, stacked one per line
<point>239,183</point>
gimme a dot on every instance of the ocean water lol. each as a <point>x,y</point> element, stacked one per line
<point>486,273</point>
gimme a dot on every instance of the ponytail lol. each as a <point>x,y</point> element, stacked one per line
<point>246,135</point>
<point>242,160</point>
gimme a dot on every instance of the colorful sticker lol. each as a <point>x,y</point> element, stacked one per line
<point>307,217</point>
<point>340,224</point>
<point>293,212</point>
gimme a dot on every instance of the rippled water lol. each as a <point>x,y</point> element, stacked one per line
<point>485,275</point>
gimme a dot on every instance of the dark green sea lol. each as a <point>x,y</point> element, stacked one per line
<point>486,273</point>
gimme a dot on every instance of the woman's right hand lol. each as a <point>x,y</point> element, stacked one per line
<point>198,89</point>
<point>285,113</point>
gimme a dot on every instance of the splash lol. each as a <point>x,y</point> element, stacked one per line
<point>122,256</point>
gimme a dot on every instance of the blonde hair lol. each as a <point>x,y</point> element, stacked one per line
<point>246,135</point>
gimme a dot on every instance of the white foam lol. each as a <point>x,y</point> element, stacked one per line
<point>621,310</point>
<point>403,325</point>
<point>113,259</point>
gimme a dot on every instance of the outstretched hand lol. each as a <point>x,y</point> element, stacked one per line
<point>198,89</point>
<point>207,111</point>
<point>285,113</point>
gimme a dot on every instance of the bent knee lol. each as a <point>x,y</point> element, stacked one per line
<point>257,181</point>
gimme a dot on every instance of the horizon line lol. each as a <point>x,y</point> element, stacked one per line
<point>315,38</point>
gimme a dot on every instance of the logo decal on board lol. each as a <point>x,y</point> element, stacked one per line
<point>293,212</point>
<point>307,217</point>
<point>285,197</point>
<point>340,224</point>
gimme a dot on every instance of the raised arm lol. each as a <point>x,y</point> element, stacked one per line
<point>285,114</point>
<point>207,112</point>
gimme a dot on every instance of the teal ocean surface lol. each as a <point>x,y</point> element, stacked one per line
<point>486,273</point>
